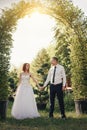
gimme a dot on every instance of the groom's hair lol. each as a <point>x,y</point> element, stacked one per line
<point>55,58</point>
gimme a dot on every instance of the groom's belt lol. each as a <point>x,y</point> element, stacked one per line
<point>56,84</point>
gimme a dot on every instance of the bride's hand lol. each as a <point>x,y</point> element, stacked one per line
<point>39,87</point>
<point>42,88</point>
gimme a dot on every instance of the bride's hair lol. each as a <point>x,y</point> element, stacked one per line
<point>24,67</point>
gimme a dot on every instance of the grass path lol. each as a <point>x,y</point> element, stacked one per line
<point>44,123</point>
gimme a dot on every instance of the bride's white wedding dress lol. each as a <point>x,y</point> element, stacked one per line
<point>24,104</point>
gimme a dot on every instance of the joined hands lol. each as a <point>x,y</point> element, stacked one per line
<point>41,88</point>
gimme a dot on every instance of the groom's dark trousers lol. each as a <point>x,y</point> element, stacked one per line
<point>56,90</point>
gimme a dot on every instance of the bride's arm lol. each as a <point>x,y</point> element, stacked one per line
<point>35,80</point>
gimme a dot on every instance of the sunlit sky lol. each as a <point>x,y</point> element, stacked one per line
<point>33,33</point>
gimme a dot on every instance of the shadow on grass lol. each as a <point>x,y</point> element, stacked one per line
<point>45,121</point>
<point>73,122</point>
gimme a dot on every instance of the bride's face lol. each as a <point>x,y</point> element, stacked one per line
<point>27,66</point>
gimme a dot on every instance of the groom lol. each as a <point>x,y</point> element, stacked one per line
<point>57,79</point>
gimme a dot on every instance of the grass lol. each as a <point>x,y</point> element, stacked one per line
<point>73,122</point>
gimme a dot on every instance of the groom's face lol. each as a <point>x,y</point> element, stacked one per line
<point>53,62</point>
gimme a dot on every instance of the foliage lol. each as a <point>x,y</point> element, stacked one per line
<point>41,96</point>
<point>75,23</point>
<point>41,65</point>
<point>63,50</point>
<point>13,82</point>
<point>8,21</point>
<point>5,44</point>
<point>51,50</point>
<point>70,17</point>
<point>69,101</point>
<point>79,70</point>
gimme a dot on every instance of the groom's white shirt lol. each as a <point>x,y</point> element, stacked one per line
<point>60,76</point>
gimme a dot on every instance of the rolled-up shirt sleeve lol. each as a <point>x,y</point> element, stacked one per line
<point>63,76</point>
<point>48,78</point>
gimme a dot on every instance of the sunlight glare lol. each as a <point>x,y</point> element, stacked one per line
<point>33,33</point>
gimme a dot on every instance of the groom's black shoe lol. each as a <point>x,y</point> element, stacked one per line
<point>51,116</point>
<point>63,117</point>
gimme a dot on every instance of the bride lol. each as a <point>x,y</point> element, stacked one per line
<point>24,105</point>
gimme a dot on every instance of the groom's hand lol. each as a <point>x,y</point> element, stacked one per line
<point>63,88</point>
<point>42,88</point>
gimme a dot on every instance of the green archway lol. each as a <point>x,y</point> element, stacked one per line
<point>63,11</point>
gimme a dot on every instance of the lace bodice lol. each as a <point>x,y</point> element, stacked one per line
<point>25,79</point>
